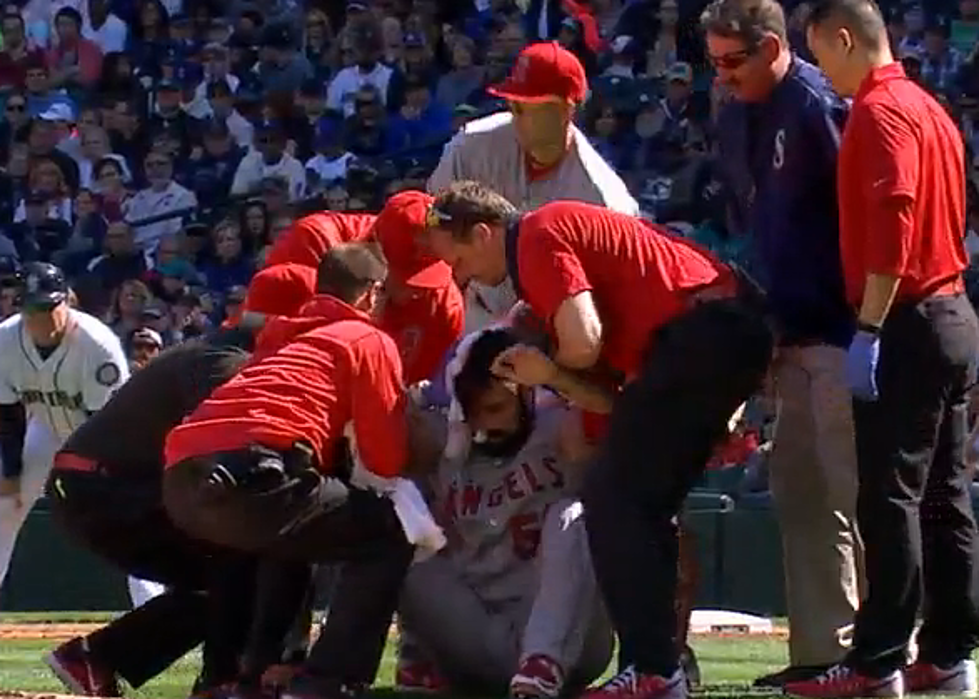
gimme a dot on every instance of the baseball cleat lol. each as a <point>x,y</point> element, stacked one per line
<point>72,663</point>
<point>421,677</point>
<point>958,680</point>
<point>538,677</point>
<point>792,673</point>
<point>843,682</point>
<point>630,684</point>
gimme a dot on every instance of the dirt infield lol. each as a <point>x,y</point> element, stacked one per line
<point>43,630</point>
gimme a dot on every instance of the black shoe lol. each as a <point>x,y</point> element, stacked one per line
<point>793,673</point>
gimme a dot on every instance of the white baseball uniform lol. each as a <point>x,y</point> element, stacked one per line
<point>58,392</point>
<point>516,577</point>
<point>486,150</point>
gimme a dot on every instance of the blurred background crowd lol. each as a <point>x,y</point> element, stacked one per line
<point>154,148</point>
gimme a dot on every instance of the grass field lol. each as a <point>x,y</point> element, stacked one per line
<point>728,665</point>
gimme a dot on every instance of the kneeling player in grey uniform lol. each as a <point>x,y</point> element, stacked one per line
<point>511,603</point>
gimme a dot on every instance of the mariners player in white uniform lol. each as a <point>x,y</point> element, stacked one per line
<point>531,154</point>
<point>57,366</point>
<point>512,602</point>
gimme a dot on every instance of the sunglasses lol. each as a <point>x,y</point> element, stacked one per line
<point>732,60</point>
<point>436,217</point>
<point>157,163</point>
<point>16,107</point>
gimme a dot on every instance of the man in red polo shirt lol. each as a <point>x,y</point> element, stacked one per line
<point>312,236</point>
<point>424,310</point>
<point>628,305</point>
<point>902,218</point>
<point>262,465</point>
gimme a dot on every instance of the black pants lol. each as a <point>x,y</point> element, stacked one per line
<point>301,518</point>
<point>662,430</point>
<point>913,507</point>
<point>208,595</point>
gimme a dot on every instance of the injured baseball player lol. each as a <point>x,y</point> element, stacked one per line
<point>511,603</point>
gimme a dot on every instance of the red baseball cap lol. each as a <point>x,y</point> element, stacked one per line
<point>397,227</point>
<point>280,290</point>
<point>544,71</point>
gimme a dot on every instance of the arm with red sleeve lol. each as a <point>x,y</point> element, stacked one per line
<point>556,288</point>
<point>379,430</point>
<point>891,156</point>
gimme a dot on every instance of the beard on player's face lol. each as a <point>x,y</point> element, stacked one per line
<point>501,441</point>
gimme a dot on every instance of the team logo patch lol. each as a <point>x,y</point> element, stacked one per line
<point>108,374</point>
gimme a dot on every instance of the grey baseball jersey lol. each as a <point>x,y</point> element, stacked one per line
<point>495,508</point>
<point>72,382</point>
<point>486,150</point>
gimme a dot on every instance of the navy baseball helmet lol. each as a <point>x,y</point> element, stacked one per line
<point>44,286</point>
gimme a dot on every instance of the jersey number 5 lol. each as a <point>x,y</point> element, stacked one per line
<point>525,531</point>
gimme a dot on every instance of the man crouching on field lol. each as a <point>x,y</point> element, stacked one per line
<point>511,603</point>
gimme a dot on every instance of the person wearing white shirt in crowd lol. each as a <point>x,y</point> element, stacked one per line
<point>367,69</point>
<point>269,158</point>
<point>331,160</point>
<point>103,27</point>
<point>221,102</point>
<point>161,197</point>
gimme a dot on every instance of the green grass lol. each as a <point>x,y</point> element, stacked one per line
<point>728,665</point>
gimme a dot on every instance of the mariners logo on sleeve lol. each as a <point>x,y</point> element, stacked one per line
<point>107,374</point>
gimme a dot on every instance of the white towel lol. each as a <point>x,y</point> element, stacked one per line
<point>416,519</point>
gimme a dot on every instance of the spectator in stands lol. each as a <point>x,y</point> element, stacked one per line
<point>212,172</point>
<point>607,132</point>
<point>217,68</point>
<point>42,142</point>
<point>9,291</point>
<point>274,193</point>
<point>39,235</point>
<point>14,181</point>
<point>393,37</point>
<point>162,196</point>
<point>623,58</point>
<point>121,259</point>
<point>144,346</point>
<point>464,78</point>
<point>311,101</point>
<point>127,132</point>
<point>282,69</point>
<point>229,266</point>
<point>14,121</point>
<point>416,66</point>
<point>149,37</point>
<point>187,318</point>
<point>332,159</point>
<point>366,129</point>
<point>94,146</point>
<point>101,26</point>
<point>87,234</point>
<point>367,70</point>
<point>40,92</point>
<point>420,120</point>
<point>17,56</point>
<point>940,62</point>
<point>662,51</point>
<point>110,187</point>
<point>964,35</point>
<point>220,99</point>
<point>46,179</point>
<point>169,116</point>
<point>254,224</point>
<point>269,158</point>
<point>126,312</point>
<point>318,38</point>
<point>74,62</point>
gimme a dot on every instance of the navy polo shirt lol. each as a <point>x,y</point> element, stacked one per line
<point>778,160</point>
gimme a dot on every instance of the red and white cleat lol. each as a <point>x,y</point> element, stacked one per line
<point>72,663</point>
<point>958,680</point>
<point>538,677</point>
<point>630,684</point>
<point>843,682</point>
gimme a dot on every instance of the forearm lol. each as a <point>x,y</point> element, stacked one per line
<point>878,295</point>
<point>579,391</point>
<point>13,424</point>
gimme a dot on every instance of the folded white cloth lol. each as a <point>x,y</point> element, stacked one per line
<point>416,519</point>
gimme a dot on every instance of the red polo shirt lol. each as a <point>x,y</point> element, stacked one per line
<point>639,275</point>
<point>424,326</point>
<point>901,189</point>
<point>344,373</point>
<point>309,238</point>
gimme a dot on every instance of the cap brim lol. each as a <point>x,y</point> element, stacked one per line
<point>44,303</point>
<point>432,276</point>
<point>507,91</point>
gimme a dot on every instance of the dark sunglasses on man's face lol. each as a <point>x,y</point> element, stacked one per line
<point>16,107</point>
<point>731,60</point>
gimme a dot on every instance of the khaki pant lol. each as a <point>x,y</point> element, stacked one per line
<point>813,479</point>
